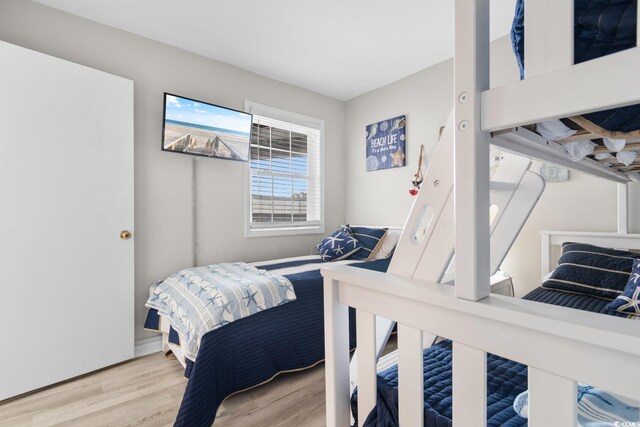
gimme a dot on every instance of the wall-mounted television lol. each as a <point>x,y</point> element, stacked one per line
<point>203,129</point>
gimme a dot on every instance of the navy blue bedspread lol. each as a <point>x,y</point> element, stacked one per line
<point>252,350</point>
<point>505,378</point>
<point>602,27</point>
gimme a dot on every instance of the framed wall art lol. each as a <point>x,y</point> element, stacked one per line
<point>386,142</point>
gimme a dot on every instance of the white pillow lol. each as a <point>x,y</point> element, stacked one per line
<point>388,244</point>
<point>554,130</point>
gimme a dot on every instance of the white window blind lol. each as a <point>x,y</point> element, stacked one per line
<point>285,175</point>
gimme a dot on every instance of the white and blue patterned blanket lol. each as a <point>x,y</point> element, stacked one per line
<point>596,408</point>
<point>201,299</point>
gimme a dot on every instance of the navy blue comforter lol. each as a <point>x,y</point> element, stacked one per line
<point>505,378</point>
<point>602,27</point>
<point>252,350</point>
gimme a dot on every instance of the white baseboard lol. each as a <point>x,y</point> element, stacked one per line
<point>147,346</point>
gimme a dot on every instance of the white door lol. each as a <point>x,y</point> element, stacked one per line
<point>66,193</point>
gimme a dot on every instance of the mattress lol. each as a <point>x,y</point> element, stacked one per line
<point>602,27</point>
<point>251,351</point>
<point>506,379</point>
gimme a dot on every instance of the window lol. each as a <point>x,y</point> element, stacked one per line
<point>285,173</point>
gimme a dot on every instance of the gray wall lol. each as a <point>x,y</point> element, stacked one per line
<point>583,203</point>
<point>163,220</point>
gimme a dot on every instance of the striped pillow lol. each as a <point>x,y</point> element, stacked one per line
<point>370,238</point>
<point>591,270</point>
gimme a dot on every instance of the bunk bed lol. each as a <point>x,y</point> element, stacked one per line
<point>605,141</point>
<point>548,348</point>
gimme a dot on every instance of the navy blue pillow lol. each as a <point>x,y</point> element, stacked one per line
<point>591,270</point>
<point>339,245</point>
<point>629,301</point>
<point>370,238</point>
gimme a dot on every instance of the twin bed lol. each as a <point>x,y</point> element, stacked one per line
<point>250,351</point>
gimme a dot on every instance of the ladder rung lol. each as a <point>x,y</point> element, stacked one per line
<point>503,186</point>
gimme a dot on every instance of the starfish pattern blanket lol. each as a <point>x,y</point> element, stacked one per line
<point>201,299</point>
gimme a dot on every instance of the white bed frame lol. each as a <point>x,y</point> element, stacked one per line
<point>560,346</point>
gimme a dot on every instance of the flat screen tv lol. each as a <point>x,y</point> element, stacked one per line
<point>202,129</point>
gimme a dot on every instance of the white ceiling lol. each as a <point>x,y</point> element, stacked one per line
<point>340,48</point>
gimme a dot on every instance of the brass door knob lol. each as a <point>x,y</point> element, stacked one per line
<point>125,234</point>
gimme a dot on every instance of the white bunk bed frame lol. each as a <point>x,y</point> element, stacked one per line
<point>547,338</point>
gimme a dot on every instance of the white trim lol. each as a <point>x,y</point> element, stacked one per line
<point>612,240</point>
<point>147,346</point>
<point>285,230</point>
<point>283,115</point>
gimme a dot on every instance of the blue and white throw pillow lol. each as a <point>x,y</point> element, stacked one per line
<point>595,407</point>
<point>339,245</point>
<point>629,301</point>
<point>370,239</point>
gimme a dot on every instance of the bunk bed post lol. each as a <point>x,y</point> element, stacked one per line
<point>623,209</point>
<point>471,199</point>
<point>336,333</point>
<point>471,150</point>
<point>546,255</point>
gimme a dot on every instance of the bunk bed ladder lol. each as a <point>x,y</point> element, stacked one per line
<point>426,247</point>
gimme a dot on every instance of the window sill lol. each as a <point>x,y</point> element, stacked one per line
<point>284,231</point>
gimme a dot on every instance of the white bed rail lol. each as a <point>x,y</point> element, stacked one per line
<point>554,87</point>
<point>560,346</point>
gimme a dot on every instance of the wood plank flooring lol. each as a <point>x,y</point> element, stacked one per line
<point>148,391</point>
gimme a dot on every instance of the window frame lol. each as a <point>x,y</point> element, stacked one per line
<point>284,229</point>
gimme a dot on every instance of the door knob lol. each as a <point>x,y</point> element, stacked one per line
<point>125,234</point>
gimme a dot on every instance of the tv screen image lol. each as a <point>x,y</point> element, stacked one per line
<point>203,129</point>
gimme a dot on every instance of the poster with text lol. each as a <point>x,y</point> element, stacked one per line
<point>386,144</point>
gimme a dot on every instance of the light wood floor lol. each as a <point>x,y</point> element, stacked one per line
<point>148,391</point>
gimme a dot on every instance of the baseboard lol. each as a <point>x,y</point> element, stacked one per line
<point>147,346</point>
